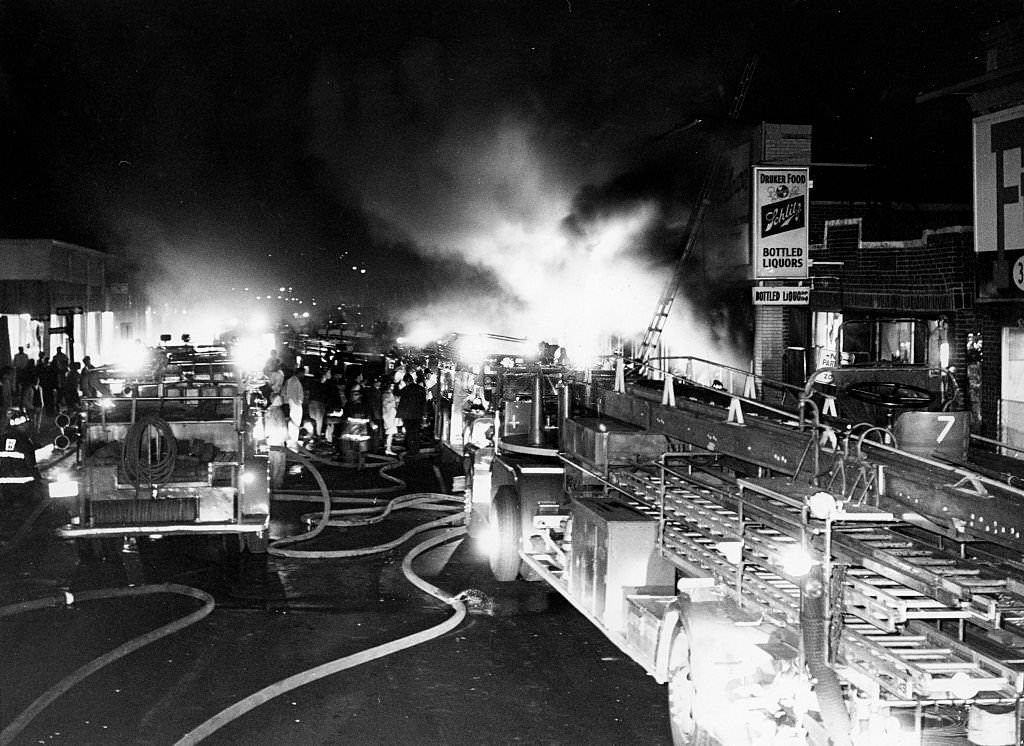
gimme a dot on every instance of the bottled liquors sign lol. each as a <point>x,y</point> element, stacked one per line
<point>780,223</point>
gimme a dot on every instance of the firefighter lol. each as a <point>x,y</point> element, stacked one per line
<point>276,424</point>
<point>18,471</point>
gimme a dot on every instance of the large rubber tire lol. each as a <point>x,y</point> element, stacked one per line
<point>506,525</point>
<point>683,721</point>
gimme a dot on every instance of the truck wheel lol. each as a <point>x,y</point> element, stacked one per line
<point>506,527</point>
<point>681,695</point>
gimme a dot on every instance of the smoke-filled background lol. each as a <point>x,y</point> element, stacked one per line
<point>523,168</point>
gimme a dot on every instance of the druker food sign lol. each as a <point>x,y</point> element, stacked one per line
<point>780,223</point>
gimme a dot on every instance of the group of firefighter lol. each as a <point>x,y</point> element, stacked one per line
<point>352,414</point>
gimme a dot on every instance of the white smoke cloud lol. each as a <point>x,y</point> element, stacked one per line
<point>498,192</point>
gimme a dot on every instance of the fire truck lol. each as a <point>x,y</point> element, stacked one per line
<point>164,452</point>
<point>833,563</point>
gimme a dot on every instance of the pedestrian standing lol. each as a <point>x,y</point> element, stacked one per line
<point>432,385</point>
<point>389,416</point>
<point>20,362</point>
<point>60,366</point>
<point>294,396</point>
<point>355,436</point>
<point>334,405</point>
<point>7,395</point>
<point>70,390</point>
<point>374,407</point>
<point>48,383</point>
<point>412,406</point>
<point>275,424</point>
<point>317,391</point>
<point>32,401</point>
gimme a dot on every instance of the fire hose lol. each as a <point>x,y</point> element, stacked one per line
<point>433,501</point>
<point>16,726</point>
<point>827,688</point>
<point>389,464</point>
<point>452,507</point>
<point>137,457</point>
<point>295,681</point>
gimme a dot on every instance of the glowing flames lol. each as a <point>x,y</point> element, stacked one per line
<point>499,196</point>
<point>574,287</point>
<point>573,290</point>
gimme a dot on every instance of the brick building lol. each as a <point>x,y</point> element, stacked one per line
<point>994,100</point>
<point>935,285</point>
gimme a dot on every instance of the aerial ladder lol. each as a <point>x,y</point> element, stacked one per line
<point>652,337</point>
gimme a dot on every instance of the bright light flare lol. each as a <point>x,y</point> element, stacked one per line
<point>250,351</point>
<point>570,290</point>
<point>472,349</point>
<point>258,322</point>
<point>131,357</point>
<point>62,484</point>
<point>795,560</point>
<point>488,540</point>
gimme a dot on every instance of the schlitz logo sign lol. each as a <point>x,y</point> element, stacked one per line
<point>782,216</point>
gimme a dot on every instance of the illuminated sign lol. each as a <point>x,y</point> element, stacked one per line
<point>778,295</point>
<point>780,223</point>
<point>998,180</point>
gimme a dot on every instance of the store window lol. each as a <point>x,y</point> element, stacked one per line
<point>899,341</point>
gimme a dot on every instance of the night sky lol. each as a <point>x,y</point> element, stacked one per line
<point>444,145</point>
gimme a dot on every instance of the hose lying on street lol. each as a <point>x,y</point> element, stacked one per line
<point>452,507</point>
<point>295,681</point>
<point>16,726</point>
<point>432,501</point>
<point>389,463</point>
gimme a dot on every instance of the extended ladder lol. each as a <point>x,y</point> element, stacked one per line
<point>653,334</point>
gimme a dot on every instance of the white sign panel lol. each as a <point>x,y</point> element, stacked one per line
<point>998,177</point>
<point>780,223</point>
<point>777,295</point>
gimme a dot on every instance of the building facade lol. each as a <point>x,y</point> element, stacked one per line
<point>54,294</point>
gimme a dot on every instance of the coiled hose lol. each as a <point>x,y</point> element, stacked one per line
<point>16,726</point>
<point>137,454</point>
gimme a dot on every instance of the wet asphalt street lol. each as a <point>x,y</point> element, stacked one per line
<point>523,668</point>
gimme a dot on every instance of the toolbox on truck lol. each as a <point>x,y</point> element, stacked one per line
<point>614,547</point>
